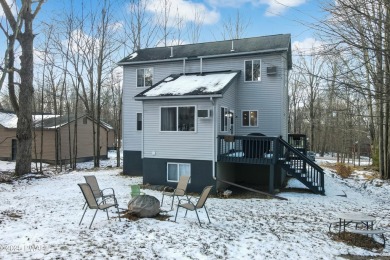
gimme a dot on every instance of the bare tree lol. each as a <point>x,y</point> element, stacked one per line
<point>234,27</point>
<point>25,37</point>
<point>139,28</point>
<point>310,69</point>
<point>195,26</point>
<point>361,28</point>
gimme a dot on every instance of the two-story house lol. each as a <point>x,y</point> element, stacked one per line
<point>214,111</point>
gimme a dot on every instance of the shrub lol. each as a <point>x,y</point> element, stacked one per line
<point>344,170</point>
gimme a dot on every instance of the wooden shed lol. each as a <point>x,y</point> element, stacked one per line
<point>59,139</point>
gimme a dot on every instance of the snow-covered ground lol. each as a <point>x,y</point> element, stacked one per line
<point>39,219</point>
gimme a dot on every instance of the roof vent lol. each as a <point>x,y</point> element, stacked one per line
<point>171,52</point>
<point>232,50</point>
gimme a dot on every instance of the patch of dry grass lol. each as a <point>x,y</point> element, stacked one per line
<point>132,217</point>
<point>358,240</point>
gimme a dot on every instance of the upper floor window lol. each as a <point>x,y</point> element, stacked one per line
<point>139,121</point>
<point>252,70</point>
<point>249,118</point>
<point>178,118</point>
<point>144,77</point>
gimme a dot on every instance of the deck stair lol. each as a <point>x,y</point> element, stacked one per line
<point>301,167</point>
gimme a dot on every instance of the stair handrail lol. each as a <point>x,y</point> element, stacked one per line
<point>301,155</point>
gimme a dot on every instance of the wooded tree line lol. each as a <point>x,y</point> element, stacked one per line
<point>71,70</point>
<point>340,90</point>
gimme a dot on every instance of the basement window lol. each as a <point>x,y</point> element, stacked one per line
<point>175,170</point>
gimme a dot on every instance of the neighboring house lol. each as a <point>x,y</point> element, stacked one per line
<point>58,137</point>
<point>188,110</point>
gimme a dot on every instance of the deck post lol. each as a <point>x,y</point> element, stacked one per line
<point>271,187</point>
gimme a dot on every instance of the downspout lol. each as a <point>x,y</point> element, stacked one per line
<point>201,69</point>
<point>143,130</point>
<point>214,137</point>
<point>184,66</point>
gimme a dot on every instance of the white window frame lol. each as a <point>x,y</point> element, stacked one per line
<point>178,171</point>
<point>136,77</point>
<point>177,119</point>
<point>252,71</point>
<point>242,118</point>
<point>225,120</point>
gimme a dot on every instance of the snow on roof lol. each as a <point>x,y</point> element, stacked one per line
<point>8,119</point>
<point>191,84</point>
<point>133,55</point>
<point>106,125</point>
<point>50,121</point>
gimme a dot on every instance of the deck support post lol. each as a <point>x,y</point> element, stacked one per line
<point>271,184</point>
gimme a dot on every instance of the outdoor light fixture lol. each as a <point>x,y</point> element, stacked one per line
<point>229,114</point>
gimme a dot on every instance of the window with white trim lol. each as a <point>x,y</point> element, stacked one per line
<point>249,118</point>
<point>139,121</point>
<point>175,170</point>
<point>252,70</point>
<point>224,119</point>
<point>144,77</point>
<point>177,118</point>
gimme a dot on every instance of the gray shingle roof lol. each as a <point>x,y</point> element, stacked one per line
<point>280,42</point>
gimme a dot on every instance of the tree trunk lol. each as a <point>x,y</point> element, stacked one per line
<point>26,94</point>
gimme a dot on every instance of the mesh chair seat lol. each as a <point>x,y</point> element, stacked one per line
<point>179,191</point>
<point>92,202</point>
<point>199,204</point>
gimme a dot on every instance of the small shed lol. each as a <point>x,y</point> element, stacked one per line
<point>60,141</point>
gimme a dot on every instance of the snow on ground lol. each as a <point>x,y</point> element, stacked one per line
<point>50,210</point>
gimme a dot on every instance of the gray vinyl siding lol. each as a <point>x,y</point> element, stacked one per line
<point>181,144</point>
<point>268,97</point>
<point>265,96</point>
<point>132,139</point>
<point>228,101</point>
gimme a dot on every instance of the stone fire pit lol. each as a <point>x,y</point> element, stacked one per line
<point>144,206</point>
